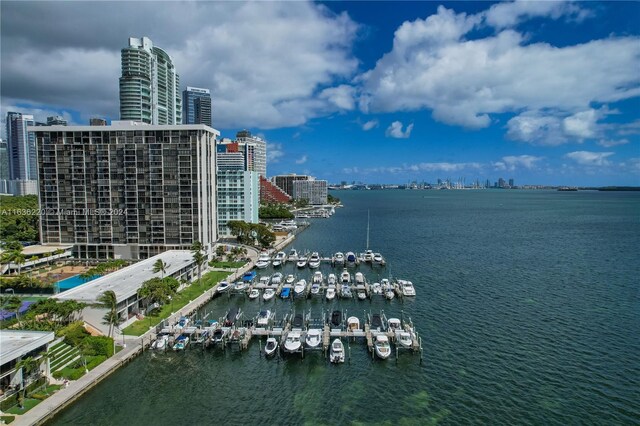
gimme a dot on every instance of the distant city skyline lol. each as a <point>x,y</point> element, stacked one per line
<point>542,92</point>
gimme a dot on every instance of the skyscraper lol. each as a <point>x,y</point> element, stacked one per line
<point>22,147</point>
<point>256,152</point>
<point>150,85</point>
<point>196,104</point>
<point>56,120</point>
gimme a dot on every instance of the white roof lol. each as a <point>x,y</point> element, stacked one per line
<point>16,343</point>
<point>119,125</point>
<point>126,282</point>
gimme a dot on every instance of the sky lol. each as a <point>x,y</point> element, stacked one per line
<point>542,92</point>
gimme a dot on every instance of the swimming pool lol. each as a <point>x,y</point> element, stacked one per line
<point>74,281</point>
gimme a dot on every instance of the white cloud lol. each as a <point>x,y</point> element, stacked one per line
<point>504,15</point>
<point>608,143</point>
<point>274,152</point>
<point>341,96</point>
<point>535,128</point>
<point>432,66</point>
<point>588,158</point>
<point>511,163</point>
<point>370,125</point>
<point>301,160</point>
<point>395,130</point>
<point>582,124</point>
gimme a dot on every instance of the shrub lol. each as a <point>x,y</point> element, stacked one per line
<point>98,345</point>
<point>74,333</point>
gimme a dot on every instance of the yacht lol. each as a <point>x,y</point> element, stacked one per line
<point>338,258</point>
<point>289,224</point>
<point>331,280</point>
<point>404,339</point>
<point>314,260</point>
<point>331,292</point>
<point>222,287</point>
<point>407,288</point>
<point>263,318</point>
<point>299,288</point>
<point>293,255</point>
<point>268,294</point>
<point>282,257</point>
<point>263,261</point>
<point>394,325</point>
<point>337,352</point>
<point>359,278</point>
<point>292,343</point>
<point>290,279</point>
<point>254,293</point>
<point>353,324</point>
<point>313,338</point>
<point>368,256</point>
<point>302,261</point>
<point>276,278</point>
<point>345,277</point>
<point>382,346</point>
<point>271,346</point>
<point>351,258</point>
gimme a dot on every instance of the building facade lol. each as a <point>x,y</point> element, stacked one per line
<point>22,147</point>
<point>127,191</point>
<point>238,198</point>
<point>150,85</point>
<point>97,121</point>
<point>285,182</point>
<point>196,104</point>
<point>255,149</point>
<point>314,191</point>
<point>56,120</point>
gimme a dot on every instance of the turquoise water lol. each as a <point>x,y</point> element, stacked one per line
<point>528,304</point>
<point>74,281</point>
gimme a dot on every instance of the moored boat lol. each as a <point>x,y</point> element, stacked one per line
<point>345,291</point>
<point>302,261</point>
<point>351,258</point>
<point>271,346</point>
<point>313,338</point>
<point>407,288</point>
<point>359,278</point>
<point>292,343</point>
<point>382,346</point>
<point>376,289</point>
<point>315,289</point>
<point>331,292</point>
<point>263,318</point>
<point>403,338</point>
<point>254,293</point>
<point>268,294</point>
<point>276,278</point>
<point>337,351</point>
<point>331,280</point>
<point>232,316</point>
<point>338,258</point>
<point>161,342</point>
<point>394,325</point>
<point>368,256</point>
<point>336,319</point>
<point>317,277</point>
<point>299,288</point>
<point>314,260</point>
<point>222,287</point>
<point>181,343</point>
<point>353,324</point>
<point>293,255</point>
<point>345,277</point>
<point>285,293</point>
<point>361,293</point>
<point>290,279</point>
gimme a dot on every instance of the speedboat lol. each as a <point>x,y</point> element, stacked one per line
<point>282,257</point>
<point>351,258</point>
<point>299,288</point>
<point>232,316</point>
<point>345,292</point>
<point>317,278</point>
<point>394,325</point>
<point>222,287</point>
<point>264,256</point>
<point>338,258</point>
<point>182,323</point>
<point>263,318</point>
<point>249,276</point>
<point>407,288</point>
<point>262,264</point>
<point>292,343</point>
<point>331,280</point>
<point>268,294</point>
<point>378,259</point>
<point>276,278</point>
<point>240,286</point>
<point>376,323</point>
<point>336,319</point>
<point>314,260</point>
<point>359,278</point>
<point>285,293</point>
<point>404,339</point>
<point>264,281</point>
<point>254,293</point>
<point>376,289</point>
<point>353,324</point>
<point>387,289</point>
<point>290,279</point>
<point>161,342</point>
<point>382,346</point>
<point>331,292</point>
<point>345,277</point>
<point>337,352</point>
<point>276,263</point>
<point>271,346</point>
<point>368,256</point>
<point>181,343</point>
<point>313,338</point>
<point>293,255</point>
<point>219,334</point>
<point>315,289</point>
<point>361,293</point>
<point>302,261</point>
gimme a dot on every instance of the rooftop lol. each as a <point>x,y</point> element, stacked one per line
<point>126,282</point>
<point>117,125</point>
<point>16,343</point>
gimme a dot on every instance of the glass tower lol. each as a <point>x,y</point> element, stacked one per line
<point>196,104</point>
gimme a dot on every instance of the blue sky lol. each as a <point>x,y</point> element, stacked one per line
<point>542,92</point>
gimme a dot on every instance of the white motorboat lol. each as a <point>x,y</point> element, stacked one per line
<point>299,288</point>
<point>368,256</point>
<point>382,346</point>
<point>263,318</point>
<point>331,280</point>
<point>276,262</point>
<point>240,286</point>
<point>219,334</point>
<point>182,323</point>
<point>361,293</point>
<point>337,351</point>
<point>313,338</point>
<point>331,292</point>
<point>403,338</point>
<point>161,342</point>
<point>376,289</point>
<point>353,324</point>
<point>315,289</point>
<point>264,281</point>
<point>351,258</point>
<point>292,343</point>
<point>314,260</point>
<point>290,279</point>
<point>389,294</point>
<point>181,343</point>
<point>222,287</point>
<point>293,255</point>
<point>359,278</point>
<point>302,261</point>
<point>271,346</point>
<point>282,257</point>
<point>264,256</point>
<point>378,259</point>
<point>317,278</point>
<point>338,258</point>
<point>407,288</point>
<point>345,291</point>
<point>254,293</point>
<point>276,278</point>
<point>262,264</point>
<point>387,289</point>
<point>345,277</point>
<point>394,325</point>
<point>268,294</point>
<point>289,224</point>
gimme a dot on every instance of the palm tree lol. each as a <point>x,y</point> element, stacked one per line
<point>199,259</point>
<point>19,259</point>
<point>28,365</point>
<point>160,266</point>
<point>109,301</point>
<point>196,247</point>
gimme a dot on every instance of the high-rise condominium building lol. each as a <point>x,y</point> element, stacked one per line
<point>285,182</point>
<point>256,152</point>
<point>56,120</point>
<point>196,104</point>
<point>22,147</point>
<point>150,85</point>
<point>314,191</point>
<point>97,121</point>
<point>127,191</point>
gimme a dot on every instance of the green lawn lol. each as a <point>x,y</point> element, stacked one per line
<point>190,293</point>
<point>7,419</point>
<point>28,404</point>
<point>227,265</point>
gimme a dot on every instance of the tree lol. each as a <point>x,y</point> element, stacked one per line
<point>156,290</point>
<point>29,366</point>
<point>196,246</point>
<point>19,259</point>
<point>220,252</point>
<point>109,301</point>
<point>160,266</point>
<point>12,304</point>
<point>199,259</point>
